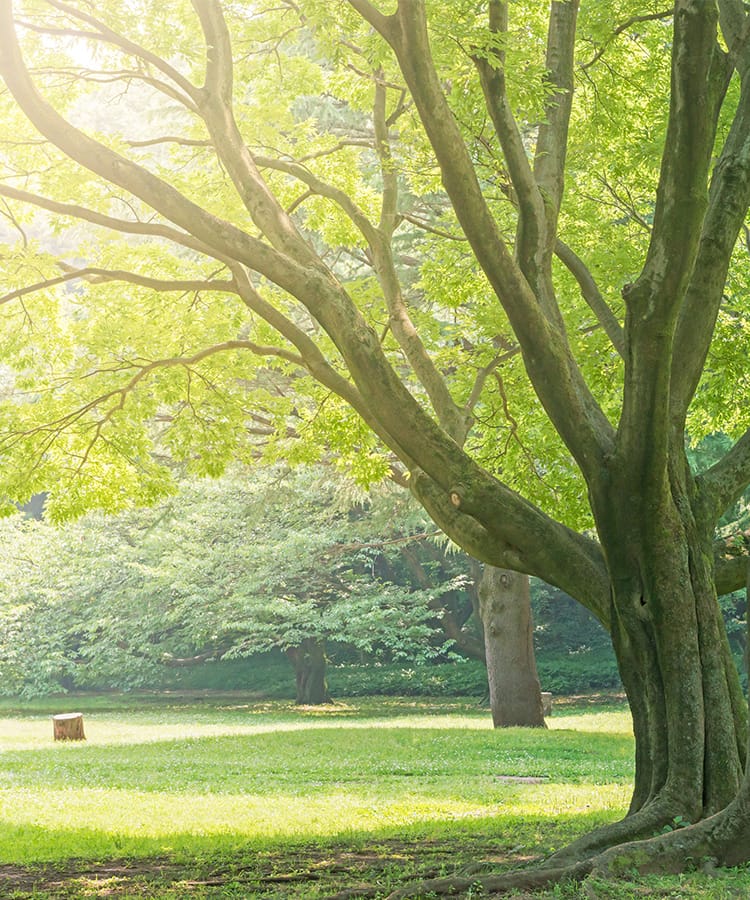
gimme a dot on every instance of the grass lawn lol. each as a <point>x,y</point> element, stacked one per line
<point>197,796</point>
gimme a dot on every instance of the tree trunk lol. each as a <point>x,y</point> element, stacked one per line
<point>721,839</point>
<point>68,727</point>
<point>689,713</point>
<point>309,661</point>
<point>505,608</point>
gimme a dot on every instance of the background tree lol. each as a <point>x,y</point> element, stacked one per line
<point>475,130</point>
<point>223,570</point>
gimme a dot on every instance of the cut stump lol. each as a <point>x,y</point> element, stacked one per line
<point>546,703</point>
<point>68,727</point>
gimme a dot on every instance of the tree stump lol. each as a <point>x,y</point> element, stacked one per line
<point>68,727</point>
<point>546,703</point>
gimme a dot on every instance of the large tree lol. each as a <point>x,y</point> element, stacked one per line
<point>572,194</point>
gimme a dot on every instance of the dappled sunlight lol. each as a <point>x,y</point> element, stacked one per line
<point>123,819</point>
<point>610,722</point>
<point>176,778</point>
<point>34,731</point>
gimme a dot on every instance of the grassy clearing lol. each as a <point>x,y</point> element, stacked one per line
<point>204,784</point>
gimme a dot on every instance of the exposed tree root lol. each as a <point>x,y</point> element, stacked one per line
<point>526,880</point>
<point>642,824</point>
<point>722,840</point>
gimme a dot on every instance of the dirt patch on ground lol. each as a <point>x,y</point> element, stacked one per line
<point>291,872</point>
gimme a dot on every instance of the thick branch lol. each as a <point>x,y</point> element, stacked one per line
<point>735,26</point>
<point>522,538</point>
<point>382,24</point>
<point>531,234</point>
<point>728,201</point>
<point>730,573</point>
<point>726,480</point>
<point>313,360</point>
<point>552,143</point>
<point>548,359</point>
<point>697,87</point>
<point>216,108</point>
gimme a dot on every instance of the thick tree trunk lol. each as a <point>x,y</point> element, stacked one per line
<point>505,608</point>
<point>309,661</point>
<point>689,715</point>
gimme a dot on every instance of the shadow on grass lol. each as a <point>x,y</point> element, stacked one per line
<point>231,865</point>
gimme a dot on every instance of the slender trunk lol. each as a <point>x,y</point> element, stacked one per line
<point>505,607</point>
<point>309,661</point>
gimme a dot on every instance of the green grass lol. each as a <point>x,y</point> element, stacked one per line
<point>220,783</point>
<point>180,776</point>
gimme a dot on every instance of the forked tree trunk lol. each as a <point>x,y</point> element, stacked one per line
<point>689,714</point>
<point>309,661</point>
<point>721,839</point>
<point>505,609</point>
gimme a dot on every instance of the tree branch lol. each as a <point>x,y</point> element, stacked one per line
<point>225,238</point>
<point>531,234</point>
<point>552,142</point>
<point>735,26</point>
<point>523,539</point>
<point>698,85</point>
<point>654,300</point>
<point>94,274</point>
<point>727,479</point>
<point>450,416</point>
<point>322,189</point>
<point>104,33</point>
<point>314,361</point>
<point>728,200</point>
<point>730,572</point>
<point>382,24</point>
<point>57,426</point>
<point>552,370</point>
<point>623,26</point>
<point>592,295</point>
<point>215,104</point>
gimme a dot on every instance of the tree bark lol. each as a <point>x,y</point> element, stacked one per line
<point>689,716</point>
<point>309,661</point>
<point>505,607</point>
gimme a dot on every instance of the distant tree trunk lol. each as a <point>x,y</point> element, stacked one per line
<point>309,661</point>
<point>505,609</point>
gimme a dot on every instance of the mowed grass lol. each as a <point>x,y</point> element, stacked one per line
<point>182,777</point>
<point>194,797</point>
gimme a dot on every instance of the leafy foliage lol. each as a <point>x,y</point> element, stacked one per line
<point>258,561</point>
